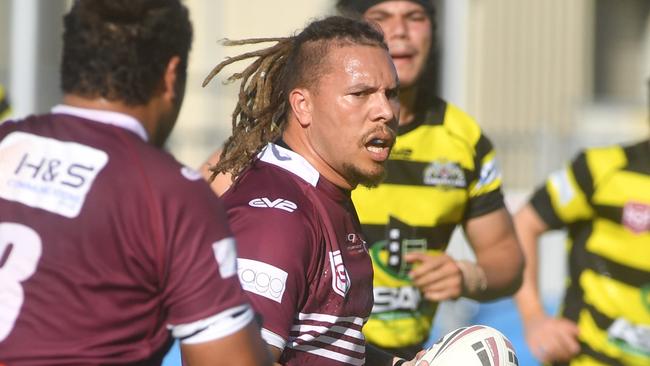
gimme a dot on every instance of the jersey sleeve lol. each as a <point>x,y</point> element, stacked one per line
<point>275,249</point>
<point>565,196</point>
<point>485,193</point>
<point>199,274</point>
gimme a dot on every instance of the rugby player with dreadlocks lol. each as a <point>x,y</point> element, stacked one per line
<point>316,116</point>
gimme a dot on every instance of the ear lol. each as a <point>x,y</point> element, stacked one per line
<point>170,78</point>
<point>301,105</point>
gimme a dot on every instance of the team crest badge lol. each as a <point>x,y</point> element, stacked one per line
<point>444,173</point>
<point>340,279</point>
<point>636,217</point>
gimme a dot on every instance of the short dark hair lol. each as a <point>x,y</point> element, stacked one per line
<point>358,7</point>
<point>298,61</point>
<point>119,49</point>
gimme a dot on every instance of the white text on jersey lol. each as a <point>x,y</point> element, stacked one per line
<point>279,203</point>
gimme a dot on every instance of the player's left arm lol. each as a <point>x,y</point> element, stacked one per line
<point>499,257</point>
<point>498,271</point>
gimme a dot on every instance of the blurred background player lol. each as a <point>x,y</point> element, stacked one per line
<point>442,172</point>
<point>5,108</point>
<point>603,199</point>
<point>315,118</point>
<point>108,246</point>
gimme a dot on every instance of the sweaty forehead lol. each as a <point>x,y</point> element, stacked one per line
<point>360,64</point>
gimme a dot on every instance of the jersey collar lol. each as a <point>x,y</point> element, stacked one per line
<point>102,116</point>
<point>289,160</point>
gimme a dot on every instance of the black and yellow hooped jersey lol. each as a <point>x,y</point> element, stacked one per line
<point>603,198</point>
<point>441,172</point>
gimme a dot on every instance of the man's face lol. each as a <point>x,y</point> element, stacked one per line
<point>354,112</point>
<point>407,29</point>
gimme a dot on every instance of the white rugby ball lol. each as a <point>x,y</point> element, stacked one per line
<point>476,345</point>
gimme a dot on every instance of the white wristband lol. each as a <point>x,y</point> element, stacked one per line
<point>474,278</point>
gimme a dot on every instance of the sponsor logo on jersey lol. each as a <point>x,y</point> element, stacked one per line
<point>395,298</point>
<point>490,173</point>
<point>401,154</point>
<point>279,203</point>
<point>632,338</point>
<point>355,243</point>
<point>340,279</point>
<point>262,278</point>
<point>636,217</point>
<point>645,296</point>
<point>48,174</point>
<point>444,174</point>
<point>226,255</point>
<point>562,184</point>
<point>190,174</point>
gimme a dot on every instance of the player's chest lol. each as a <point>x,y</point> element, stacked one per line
<point>342,280</point>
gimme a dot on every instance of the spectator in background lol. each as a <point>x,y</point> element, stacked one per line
<point>603,199</point>
<point>442,173</point>
<point>108,246</point>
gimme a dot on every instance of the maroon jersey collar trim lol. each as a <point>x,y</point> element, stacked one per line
<point>101,116</point>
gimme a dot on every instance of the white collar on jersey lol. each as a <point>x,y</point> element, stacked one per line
<point>291,161</point>
<point>101,116</point>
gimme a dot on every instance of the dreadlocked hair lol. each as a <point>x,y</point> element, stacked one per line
<point>262,108</point>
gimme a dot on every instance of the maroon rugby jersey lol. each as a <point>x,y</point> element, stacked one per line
<point>106,244</point>
<point>301,259</point>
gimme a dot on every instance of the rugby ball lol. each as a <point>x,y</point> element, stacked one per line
<point>476,345</point>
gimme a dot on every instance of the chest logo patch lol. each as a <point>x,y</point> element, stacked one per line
<point>636,217</point>
<point>444,173</point>
<point>340,279</point>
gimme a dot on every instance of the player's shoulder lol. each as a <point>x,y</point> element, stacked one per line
<point>601,161</point>
<point>277,171</point>
<point>274,187</point>
<point>267,186</point>
<point>462,125</point>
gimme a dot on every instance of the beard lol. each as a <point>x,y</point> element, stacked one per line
<point>370,179</point>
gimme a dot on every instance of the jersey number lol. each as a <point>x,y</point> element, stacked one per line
<point>20,250</point>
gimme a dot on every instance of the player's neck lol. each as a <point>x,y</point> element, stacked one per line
<point>299,143</point>
<point>142,113</point>
<point>407,98</point>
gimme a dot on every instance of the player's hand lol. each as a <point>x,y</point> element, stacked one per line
<point>552,339</point>
<point>415,359</point>
<point>438,277</point>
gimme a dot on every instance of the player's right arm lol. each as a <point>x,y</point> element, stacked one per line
<point>207,310</point>
<point>244,347</point>
<point>276,246</point>
<point>549,338</point>
<point>561,201</point>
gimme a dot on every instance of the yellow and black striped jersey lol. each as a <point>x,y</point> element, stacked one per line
<point>441,172</point>
<point>603,199</point>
